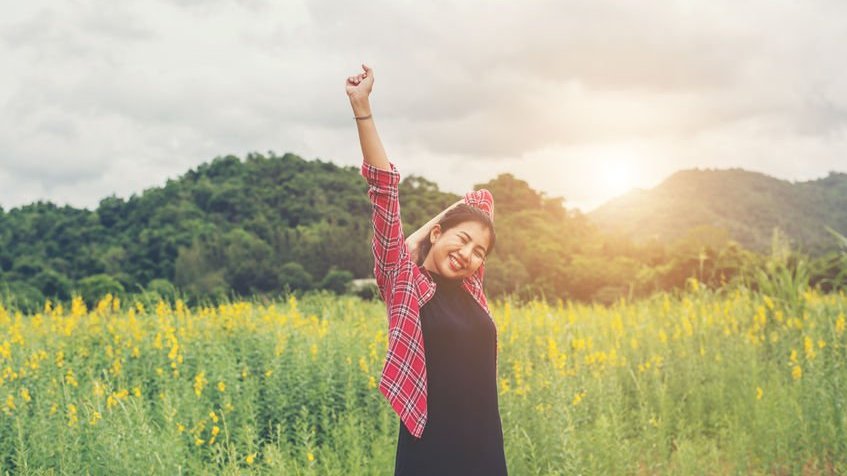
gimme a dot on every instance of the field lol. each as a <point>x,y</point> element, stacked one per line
<point>701,383</point>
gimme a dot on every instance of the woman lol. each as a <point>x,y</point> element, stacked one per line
<point>440,373</point>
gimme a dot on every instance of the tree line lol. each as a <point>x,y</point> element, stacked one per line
<point>270,224</point>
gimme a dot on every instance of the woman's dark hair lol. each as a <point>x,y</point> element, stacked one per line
<point>459,214</point>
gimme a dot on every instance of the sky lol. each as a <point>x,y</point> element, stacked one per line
<point>582,100</point>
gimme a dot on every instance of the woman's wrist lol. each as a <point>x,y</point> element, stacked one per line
<point>361,106</point>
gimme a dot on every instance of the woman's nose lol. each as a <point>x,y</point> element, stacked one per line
<point>465,253</point>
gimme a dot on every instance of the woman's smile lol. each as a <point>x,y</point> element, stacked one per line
<point>455,264</point>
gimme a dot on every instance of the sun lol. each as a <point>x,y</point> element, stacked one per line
<point>615,175</point>
<point>619,177</point>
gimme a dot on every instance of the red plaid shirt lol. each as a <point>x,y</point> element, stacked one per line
<point>406,287</point>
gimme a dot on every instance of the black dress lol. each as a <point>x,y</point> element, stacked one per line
<point>463,433</point>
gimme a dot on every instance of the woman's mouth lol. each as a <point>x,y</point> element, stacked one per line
<point>454,264</point>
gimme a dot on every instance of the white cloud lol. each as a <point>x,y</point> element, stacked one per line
<point>115,97</point>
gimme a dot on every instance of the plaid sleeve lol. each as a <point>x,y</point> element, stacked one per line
<point>389,247</point>
<point>483,200</point>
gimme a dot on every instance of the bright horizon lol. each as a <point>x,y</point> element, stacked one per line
<point>581,101</point>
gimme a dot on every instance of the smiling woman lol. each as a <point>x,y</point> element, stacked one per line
<point>440,373</point>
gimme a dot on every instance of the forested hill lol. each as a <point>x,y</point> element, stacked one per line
<point>270,223</point>
<point>251,226</point>
<point>747,204</point>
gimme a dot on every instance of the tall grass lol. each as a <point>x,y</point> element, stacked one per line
<point>702,383</point>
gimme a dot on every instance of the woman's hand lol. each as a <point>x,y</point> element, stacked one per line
<point>361,85</point>
<point>412,245</point>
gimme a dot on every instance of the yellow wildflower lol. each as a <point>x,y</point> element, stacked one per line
<point>199,383</point>
<point>72,415</point>
<point>221,386</point>
<point>577,398</point>
<point>797,372</point>
<point>250,458</point>
<point>759,393</point>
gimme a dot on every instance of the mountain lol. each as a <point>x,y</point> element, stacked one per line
<point>748,205</point>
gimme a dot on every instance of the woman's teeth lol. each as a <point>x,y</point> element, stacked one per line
<point>455,263</point>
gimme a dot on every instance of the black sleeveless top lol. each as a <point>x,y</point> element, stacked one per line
<point>463,433</point>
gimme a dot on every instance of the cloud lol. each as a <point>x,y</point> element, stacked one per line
<point>110,97</point>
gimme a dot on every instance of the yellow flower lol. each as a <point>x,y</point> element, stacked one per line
<point>215,430</point>
<point>577,398</point>
<point>25,395</point>
<point>840,324</point>
<point>95,417</point>
<point>250,458</point>
<point>809,348</point>
<point>310,456</point>
<point>72,416</point>
<point>759,393</point>
<point>98,389</point>
<point>180,427</point>
<point>213,416</point>
<point>797,372</point>
<point>136,391</point>
<point>200,383</point>
<point>769,302</point>
<point>10,402</point>
<point>198,441</point>
<point>221,386</point>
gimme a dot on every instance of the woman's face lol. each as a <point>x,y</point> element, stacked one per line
<point>458,252</point>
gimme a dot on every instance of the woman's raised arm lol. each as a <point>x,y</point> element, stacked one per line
<point>389,248</point>
<point>359,89</point>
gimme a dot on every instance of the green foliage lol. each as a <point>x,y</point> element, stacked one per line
<point>233,227</point>
<point>53,284</point>
<point>21,296</point>
<point>95,287</point>
<point>783,275</point>
<point>336,280</point>
<point>746,204</point>
<point>163,289</point>
<point>292,276</point>
<point>702,383</point>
